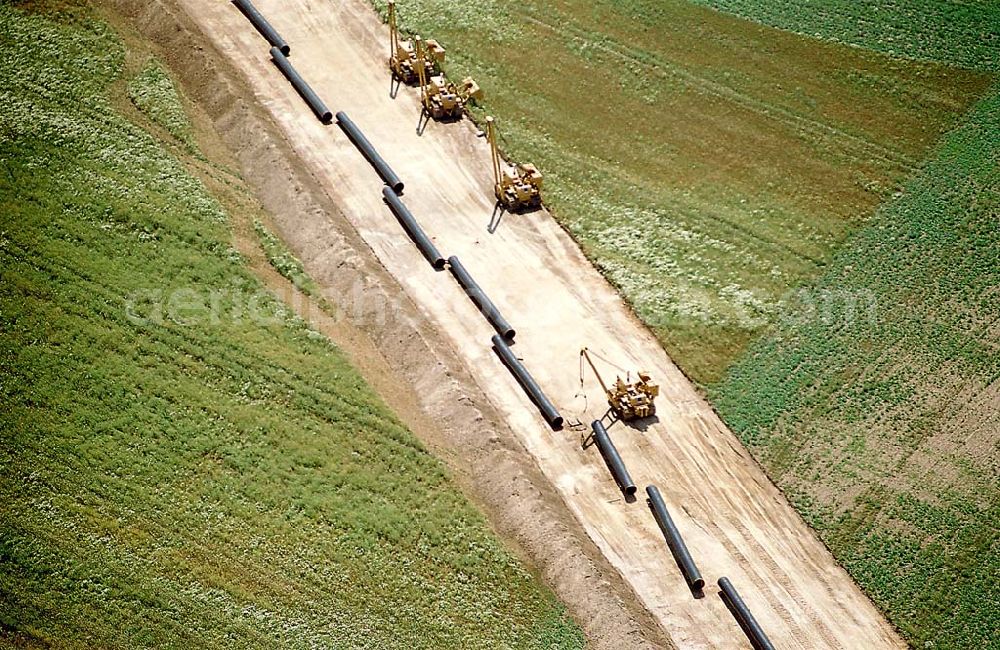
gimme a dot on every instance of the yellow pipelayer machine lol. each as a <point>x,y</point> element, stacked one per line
<point>518,187</point>
<point>629,400</point>
<point>403,55</point>
<point>441,99</point>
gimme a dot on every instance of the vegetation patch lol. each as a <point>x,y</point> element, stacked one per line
<point>184,463</point>
<point>878,411</point>
<point>153,93</point>
<point>708,165</point>
<point>284,262</point>
<point>966,34</point>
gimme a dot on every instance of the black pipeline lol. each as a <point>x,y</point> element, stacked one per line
<point>264,27</point>
<point>482,301</point>
<point>612,458</point>
<point>300,85</point>
<point>368,151</point>
<point>527,382</point>
<point>743,616</point>
<point>413,228</point>
<point>674,539</point>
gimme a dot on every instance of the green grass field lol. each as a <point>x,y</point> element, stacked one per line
<point>706,164</point>
<point>883,426</point>
<point>183,463</point>
<point>874,403</point>
<point>965,33</point>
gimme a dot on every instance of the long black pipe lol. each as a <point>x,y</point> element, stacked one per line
<point>264,27</point>
<point>527,382</point>
<point>368,151</point>
<point>307,93</point>
<point>612,458</point>
<point>413,228</point>
<point>674,539</point>
<point>482,301</point>
<point>743,616</point>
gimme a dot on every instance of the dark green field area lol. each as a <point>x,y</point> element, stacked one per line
<point>705,163</point>
<point>875,402</point>
<point>965,33</point>
<point>182,462</point>
<point>875,405</point>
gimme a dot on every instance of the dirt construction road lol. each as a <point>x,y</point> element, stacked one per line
<point>734,520</point>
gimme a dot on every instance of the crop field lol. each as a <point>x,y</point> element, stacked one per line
<point>183,463</point>
<point>962,33</point>
<point>706,164</point>
<point>876,406</point>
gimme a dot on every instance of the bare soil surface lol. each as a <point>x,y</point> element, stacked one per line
<point>403,320</point>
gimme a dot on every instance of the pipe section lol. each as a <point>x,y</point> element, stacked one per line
<point>413,228</point>
<point>612,458</point>
<point>300,85</point>
<point>527,382</point>
<point>368,151</point>
<point>674,539</point>
<point>481,300</point>
<point>264,27</point>
<point>743,616</point>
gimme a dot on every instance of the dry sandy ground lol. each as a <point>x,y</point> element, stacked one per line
<point>735,521</point>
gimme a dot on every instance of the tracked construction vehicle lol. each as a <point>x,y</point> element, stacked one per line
<point>629,400</point>
<point>440,98</point>
<point>403,54</point>
<point>517,187</point>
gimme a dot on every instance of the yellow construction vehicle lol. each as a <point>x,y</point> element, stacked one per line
<point>440,98</point>
<point>403,56</point>
<point>629,400</point>
<point>517,187</point>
